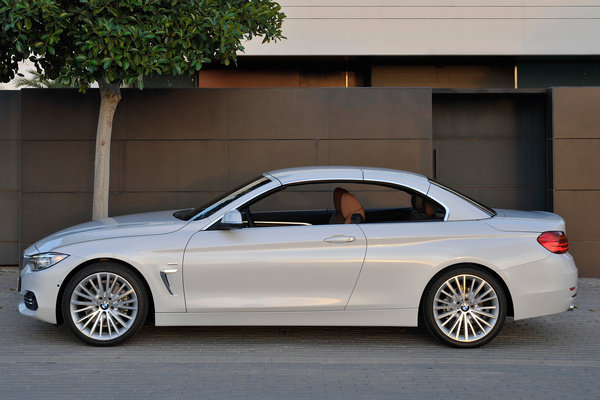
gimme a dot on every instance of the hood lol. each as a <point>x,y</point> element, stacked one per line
<point>153,223</point>
<point>526,221</point>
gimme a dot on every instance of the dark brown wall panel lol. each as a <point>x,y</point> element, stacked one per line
<point>172,166</point>
<point>382,113</point>
<point>581,211</point>
<point>59,114</point>
<point>577,163</point>
<point>137,202</point>
<point>9,170</point>
<point>171,114</point>
<point>57,166</point>
<point>240,78</point>
<point>250,158</point>
<point>446,76</point>
<point>576,148</point>
<point>493,147</point>
<point>10,114</point>
<point>45,213</point>
<point>278,114</point>
<point>576,112</point>
<point>9,228</point>
<point>178,148</point>
<point>410,154</point>
<point>10,149</point>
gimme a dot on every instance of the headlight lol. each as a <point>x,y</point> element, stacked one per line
<point>38,262</point>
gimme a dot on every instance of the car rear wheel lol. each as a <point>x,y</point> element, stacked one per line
<point>465,307</point>
<point>105,304</point>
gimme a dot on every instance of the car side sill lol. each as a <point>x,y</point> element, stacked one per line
<point>391,317</point>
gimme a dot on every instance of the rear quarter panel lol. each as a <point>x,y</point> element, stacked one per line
<point>402,258</point>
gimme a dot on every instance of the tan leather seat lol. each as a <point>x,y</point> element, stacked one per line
<point>423,208</point>
<point>349,205</point>
<point>337,217</point>
<point>429,209</point>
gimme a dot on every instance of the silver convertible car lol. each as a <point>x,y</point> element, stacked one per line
<point>307,246</point>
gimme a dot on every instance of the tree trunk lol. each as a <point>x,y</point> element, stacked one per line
<point>110,95</point>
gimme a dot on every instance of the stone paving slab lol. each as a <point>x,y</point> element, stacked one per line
<point>553,357</point>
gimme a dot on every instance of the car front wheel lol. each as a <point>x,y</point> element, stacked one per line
<point>105,304</point>
<point>465,307</point>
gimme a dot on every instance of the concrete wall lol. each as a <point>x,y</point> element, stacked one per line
<point>178,148</point>
<point>576,125</point>
<point>436,27</point>
<point>10,111</point>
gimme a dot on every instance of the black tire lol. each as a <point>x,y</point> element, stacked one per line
<point>108,308</point>
<point>464,320</point>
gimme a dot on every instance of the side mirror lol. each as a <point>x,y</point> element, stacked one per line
<point>231,220</point>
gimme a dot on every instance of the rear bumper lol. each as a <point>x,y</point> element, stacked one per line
<point>543,287</point>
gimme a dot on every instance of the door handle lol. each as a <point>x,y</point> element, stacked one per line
<point>340,239</point>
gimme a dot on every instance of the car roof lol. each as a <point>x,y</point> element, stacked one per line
<point>457,207</point>
<point>290,175</point>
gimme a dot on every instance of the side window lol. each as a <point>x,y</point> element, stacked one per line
<point>296,198</point>
<point>339,203</point>
<point>308,204</point>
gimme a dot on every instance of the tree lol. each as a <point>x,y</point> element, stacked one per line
<point>120,41</point>
<point>24,25</point>
<point>37,80</point>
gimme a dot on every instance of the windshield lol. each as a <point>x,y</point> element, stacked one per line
<point>477,204</point>
<point>215,205</point>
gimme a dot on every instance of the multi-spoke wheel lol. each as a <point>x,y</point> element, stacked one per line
<point>104,304</point>
<point>465,307</point>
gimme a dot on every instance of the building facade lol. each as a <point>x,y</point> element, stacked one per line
<point>496,98</point>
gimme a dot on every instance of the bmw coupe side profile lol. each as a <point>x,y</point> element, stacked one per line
<point>337,246</point>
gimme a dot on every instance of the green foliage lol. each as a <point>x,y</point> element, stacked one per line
<point>27,26</point>
<point>37,80</point>
<point>79,42</point>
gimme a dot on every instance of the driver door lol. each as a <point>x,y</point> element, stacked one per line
<point>281,268</point>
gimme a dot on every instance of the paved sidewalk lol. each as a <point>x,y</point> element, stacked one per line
<point>554,357</point>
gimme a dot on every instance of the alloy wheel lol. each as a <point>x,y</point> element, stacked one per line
<point>103,306</point>
<point>466,308</point>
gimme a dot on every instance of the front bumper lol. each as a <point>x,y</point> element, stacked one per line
<point>44,287</point>
<point>544,287</point>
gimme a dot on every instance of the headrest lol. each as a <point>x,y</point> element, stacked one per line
<point>337,197</point>
<point>350,205</point>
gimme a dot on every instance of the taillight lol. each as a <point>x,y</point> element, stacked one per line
<point>554,241</point>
